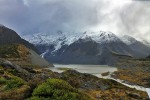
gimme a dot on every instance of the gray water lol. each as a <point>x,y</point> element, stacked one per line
<point>91,69</point>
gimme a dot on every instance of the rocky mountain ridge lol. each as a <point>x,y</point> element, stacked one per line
<point>87,48</point>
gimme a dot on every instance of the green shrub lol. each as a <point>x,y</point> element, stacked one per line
<point>56,89</point>
<point>14,82</point>
<point>38,98</point>
<point>1,71</point>
<point>1,68</point>
<point>15,94</point>
<point>2,80</point>
<point>13,71</point>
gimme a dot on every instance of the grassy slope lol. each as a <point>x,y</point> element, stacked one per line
<point>135,71</point>
<point>21,55</point>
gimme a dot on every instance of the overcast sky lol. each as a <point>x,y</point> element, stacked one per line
<point>48,16</point>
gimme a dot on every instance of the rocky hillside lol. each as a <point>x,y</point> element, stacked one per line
<point>21,55</point>
<point>9,36</point>
<point>18,50</point>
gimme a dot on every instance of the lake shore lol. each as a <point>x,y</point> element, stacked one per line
<point>95,70</point>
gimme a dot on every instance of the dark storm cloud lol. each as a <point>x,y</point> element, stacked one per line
<point>62,15</point>
<point>48,16</point>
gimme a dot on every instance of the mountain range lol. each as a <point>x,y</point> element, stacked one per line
<point>88,47</point>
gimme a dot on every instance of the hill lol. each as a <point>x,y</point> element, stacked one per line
<point>18,50</point>
<point>21,55</point>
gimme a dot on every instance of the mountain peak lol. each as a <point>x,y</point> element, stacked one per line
<point>128,39</point>
<point>102,36</point>
<point>63,38</point>
<point>1,25</point>
<point>8,35</point>
<point>107,34</point>
<point>147,43</point>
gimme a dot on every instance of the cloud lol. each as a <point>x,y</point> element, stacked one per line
<point>129,17</point>
<point>135,19</point>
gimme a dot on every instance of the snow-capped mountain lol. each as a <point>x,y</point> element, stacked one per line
<point>139,48</point>
<point>87,47</point>
<point>59,39</point>
<point>101,37</point>
<point>128,39</point>
<point>145,42</point>
<point>68,38</point>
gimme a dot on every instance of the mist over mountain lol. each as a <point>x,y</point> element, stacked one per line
<point>141,48</point>
<point>129,17</point>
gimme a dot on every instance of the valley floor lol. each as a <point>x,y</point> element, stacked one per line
<point>35,83</point>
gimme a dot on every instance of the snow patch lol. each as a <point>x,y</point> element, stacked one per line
<point>128,39</point>
<point>145,42</point>
<point>61,38</point>
<point>43,54</point>
<point>148,91</point>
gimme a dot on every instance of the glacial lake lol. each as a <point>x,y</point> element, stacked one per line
<point>91,69</point>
